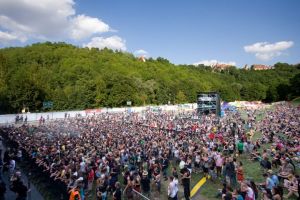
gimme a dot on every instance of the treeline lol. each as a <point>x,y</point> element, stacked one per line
<point>79,78</point>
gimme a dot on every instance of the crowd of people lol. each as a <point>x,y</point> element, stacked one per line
<point>136,155</point>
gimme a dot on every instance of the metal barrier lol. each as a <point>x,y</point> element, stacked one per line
<point>140,194</point>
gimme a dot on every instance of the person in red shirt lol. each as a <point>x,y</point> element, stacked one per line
<point>91,177</point>
<point>211,136</point>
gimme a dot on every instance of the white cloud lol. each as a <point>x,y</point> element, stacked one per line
<point>214,62</point>
<point>266,51</point>
<point>85,26</point>
<point>37,19</point>
<point>6,37</point>
<point>11,24</point>
<point>113,42</point>
<point>141,52</point>
<point>47,19</point>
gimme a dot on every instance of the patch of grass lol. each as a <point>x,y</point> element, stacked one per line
<point>296,101</point>
<point>252,170</point>
<point>196,177</point>
<point>209,190</point>
<point>256,136</point>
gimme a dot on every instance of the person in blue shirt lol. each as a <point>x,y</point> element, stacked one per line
<point>268,185</point>
<point>274,177</point>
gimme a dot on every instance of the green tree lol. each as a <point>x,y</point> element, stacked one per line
<point>180,97</point>
<point>79,78</point>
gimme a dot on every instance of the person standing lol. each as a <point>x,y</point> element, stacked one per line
<point>74,193</point>
<point>230,172</point>
<point>240,172</point>
<point>219,164</point>
<point>90,178</point>
<point>145,183</point>
<point>165,165</point>
<point>172,194</point>
<point>12,166</point>
<point>240,146</point>
<point>117,194</point>
<point>18,187</point>
<point>186,183</point>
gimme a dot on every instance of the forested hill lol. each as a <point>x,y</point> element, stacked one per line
<point>79,78</point>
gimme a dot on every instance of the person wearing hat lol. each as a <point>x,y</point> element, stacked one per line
<point>292,185</point>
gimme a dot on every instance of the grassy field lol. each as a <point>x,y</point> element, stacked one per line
<point>296,101</point>
<point>252,169</point>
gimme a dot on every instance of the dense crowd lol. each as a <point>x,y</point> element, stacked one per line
<point>129,155</point>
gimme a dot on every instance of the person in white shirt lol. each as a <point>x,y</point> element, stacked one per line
<point>176,155</point>
<point>181,164</point>
<point>172,189</point>
<point>12,166</point>
<point>248,190</point>
<point>82,166</point>
<point>175,180</point>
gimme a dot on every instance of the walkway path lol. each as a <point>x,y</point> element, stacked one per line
<point>33,193</point>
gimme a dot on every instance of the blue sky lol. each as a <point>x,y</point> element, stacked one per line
<point>185,32</point>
